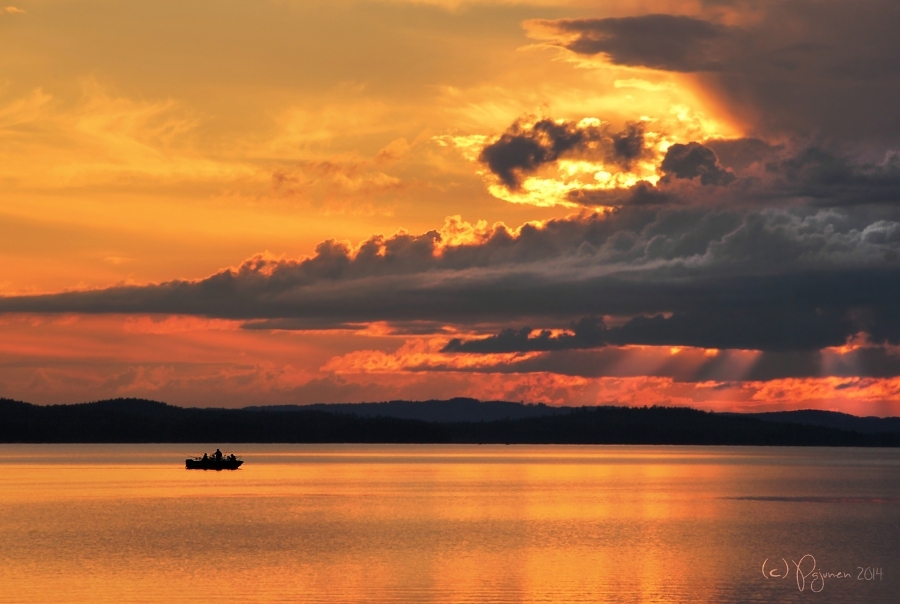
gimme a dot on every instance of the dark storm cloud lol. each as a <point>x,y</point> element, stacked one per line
<point>808,327</point>
<point>741,153</point>
<point>829,178</point>
<point>674,43</point>
<point>772,280</point>
<point>522,149</point>
<point>809,67</point>
<point>694,160</point>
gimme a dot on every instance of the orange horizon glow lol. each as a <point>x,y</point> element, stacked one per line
<point>190,361</point>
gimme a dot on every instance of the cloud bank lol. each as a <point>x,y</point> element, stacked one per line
<point>768,280</point>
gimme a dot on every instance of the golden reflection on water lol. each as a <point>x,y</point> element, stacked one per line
<point>355,523</point>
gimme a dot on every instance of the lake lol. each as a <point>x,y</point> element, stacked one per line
<point>434,523</point>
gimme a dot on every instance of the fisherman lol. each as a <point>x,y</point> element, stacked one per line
<point>205,457</point>
<point>218,455</point>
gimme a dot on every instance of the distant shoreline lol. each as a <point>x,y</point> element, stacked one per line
<point>457,421</point>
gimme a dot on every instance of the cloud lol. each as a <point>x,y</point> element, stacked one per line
<point>830,178</point>
<point>525,147</point>
<point>628,145</point>
<point>642,193</point>
<point>588,332</point>
<point>769,280</point>
<point>685,364</point>
<point>775,328</point>
<point>332,178</point>
<point>752,173</point>
<point>682,364</point>
<point>107,140</point>
<point>809,67</point>
<point>396,149</point>
<point>692,160</point>
<point>560,162</point>
<point>669,42</point>
<point>742,153</point>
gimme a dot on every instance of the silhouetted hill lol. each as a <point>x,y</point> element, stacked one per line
<point>452,410</point>
<point>473,410</point>
<point>832,419</point>
<point>134,420</point>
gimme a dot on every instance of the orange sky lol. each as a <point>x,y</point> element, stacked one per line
<point>151,143</point>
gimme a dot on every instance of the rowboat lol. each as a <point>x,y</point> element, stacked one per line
<point>216,461</point>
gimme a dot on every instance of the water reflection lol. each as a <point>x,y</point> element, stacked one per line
<point>335,523</point>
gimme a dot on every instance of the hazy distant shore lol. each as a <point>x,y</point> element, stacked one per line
<point>453,421</point>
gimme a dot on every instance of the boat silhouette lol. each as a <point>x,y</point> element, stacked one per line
<point>216,461</point>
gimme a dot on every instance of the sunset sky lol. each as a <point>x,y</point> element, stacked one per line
<point>220,203</point>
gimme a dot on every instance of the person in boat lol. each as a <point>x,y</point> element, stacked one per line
<point>218,455</point>
<point>231,457</point>
<point>205,457</point>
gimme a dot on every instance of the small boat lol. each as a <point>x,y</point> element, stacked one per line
<point>216,461</point>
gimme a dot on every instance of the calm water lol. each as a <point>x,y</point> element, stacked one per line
<point>418,524</point>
